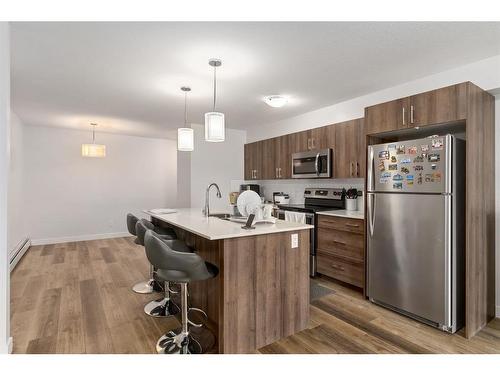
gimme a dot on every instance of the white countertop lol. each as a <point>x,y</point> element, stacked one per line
<point>344,213</point>
<point>213,228</point>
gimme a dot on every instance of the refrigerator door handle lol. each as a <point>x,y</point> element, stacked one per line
<point>371,169</point>
<point>371,212</point>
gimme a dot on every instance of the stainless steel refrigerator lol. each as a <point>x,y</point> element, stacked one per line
<point>415,226</point>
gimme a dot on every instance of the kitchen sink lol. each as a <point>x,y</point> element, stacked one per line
<point>221,216</point>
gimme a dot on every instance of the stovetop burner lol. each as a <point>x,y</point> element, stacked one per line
<point>317,200</point>
<point>306,207</point>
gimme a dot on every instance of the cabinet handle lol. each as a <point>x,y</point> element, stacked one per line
<point>308,143</point>
<point>313,141</point>
<point>279,172</point>
<point>411,114</point>
<point>256,173</point>
<point>337,267</point>
<point>352,225</point>
<point>350,169</point>
<point>404,115</point>
<point>357,169</point>
<point>339,243</point>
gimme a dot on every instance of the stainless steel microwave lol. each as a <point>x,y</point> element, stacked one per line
<point>313,164</point>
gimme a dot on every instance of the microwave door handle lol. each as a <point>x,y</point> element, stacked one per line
<point>316,164</point>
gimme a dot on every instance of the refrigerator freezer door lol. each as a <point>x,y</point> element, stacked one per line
<point>409,249</point>
<point>416,166</point>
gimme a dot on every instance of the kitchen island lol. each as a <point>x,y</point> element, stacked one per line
<point>262,291</point>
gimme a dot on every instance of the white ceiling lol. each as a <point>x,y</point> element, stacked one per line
<point>127,76</point>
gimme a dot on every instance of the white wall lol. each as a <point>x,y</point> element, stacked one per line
<point>215,162</point>
<point>68,197</point>
<point>4,160</point>
<point>484,73</point>
<point>183,179</point>
<point>16,225</point>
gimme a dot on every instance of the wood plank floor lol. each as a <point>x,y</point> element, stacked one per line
<point>76,298</point>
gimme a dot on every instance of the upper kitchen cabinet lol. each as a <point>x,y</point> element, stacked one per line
<point>387,116</point>
<point>320,138</point>
<point>349,150</point>
<point>313,139</point>
<point>439,106</point>
<point>283,157</point>
<point>253,161</point>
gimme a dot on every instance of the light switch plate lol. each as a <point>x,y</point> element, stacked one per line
<point>295,240</point>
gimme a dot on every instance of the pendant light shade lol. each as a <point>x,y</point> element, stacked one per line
<point>185,139</point>
<point>214,121</point>
<point>93,150</point>
<point>214,127</point>
<point>185,135</point>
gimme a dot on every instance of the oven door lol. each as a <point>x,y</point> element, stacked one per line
<point>311,220</point>
<point>312,164</point>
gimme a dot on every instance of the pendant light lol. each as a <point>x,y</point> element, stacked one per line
<point>214,121</point>
<point>185,135</point>
<point>93,150</point>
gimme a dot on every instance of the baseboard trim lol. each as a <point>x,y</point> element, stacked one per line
<point>19,252</point>
<point>86,237</point>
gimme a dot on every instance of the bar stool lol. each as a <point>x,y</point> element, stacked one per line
<point>131,221</point>
<point>165,307</point>
<point>181,268</point>
<point>142,225</point>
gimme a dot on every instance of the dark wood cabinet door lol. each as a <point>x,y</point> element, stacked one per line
<point>347,163</point>
<point>248,168</point>
<point>318,138</point>
<point>257,160</point>
<point>283,156</point>
<point>299,142</point>
<point>269,163</point>
<point>361,151</point>
<point>439,106</point>
<point>387,116</point>
<point>253,160</point>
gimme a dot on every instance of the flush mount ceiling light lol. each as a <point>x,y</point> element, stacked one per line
<point>93,150</point>
<point>214,121</point>
<point>185,135</point>
<point>276,101</point>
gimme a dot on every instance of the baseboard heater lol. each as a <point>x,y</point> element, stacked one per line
<point>19,251</point>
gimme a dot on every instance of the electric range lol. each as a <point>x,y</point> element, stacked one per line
<point>315,200</point>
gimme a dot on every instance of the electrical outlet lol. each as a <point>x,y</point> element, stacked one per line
<point>295,240</point>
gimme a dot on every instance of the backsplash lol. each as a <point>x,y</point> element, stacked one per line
<point>295,188</point>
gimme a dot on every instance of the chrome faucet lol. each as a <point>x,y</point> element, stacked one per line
<point>206,210</point>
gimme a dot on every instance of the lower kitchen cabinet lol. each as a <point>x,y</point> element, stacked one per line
<point>340,249</point>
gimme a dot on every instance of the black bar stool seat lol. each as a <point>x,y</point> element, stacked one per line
<point>141,226</point>
<point>181,268</point>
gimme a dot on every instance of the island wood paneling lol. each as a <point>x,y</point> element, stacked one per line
<point>266,290</point>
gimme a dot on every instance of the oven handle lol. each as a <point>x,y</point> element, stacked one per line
<point>308,215</point>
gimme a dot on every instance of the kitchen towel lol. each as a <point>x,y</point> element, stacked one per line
<point>295,217</point>
<point>161,211</point>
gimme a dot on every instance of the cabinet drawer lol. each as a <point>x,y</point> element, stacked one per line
<point>338,242</point>
<point>340,269</point>
<point>341,223</point>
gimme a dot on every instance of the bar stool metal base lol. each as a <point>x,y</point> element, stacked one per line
<point>178,342</point>
<point>161,308</point>
<point>144,287</point>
